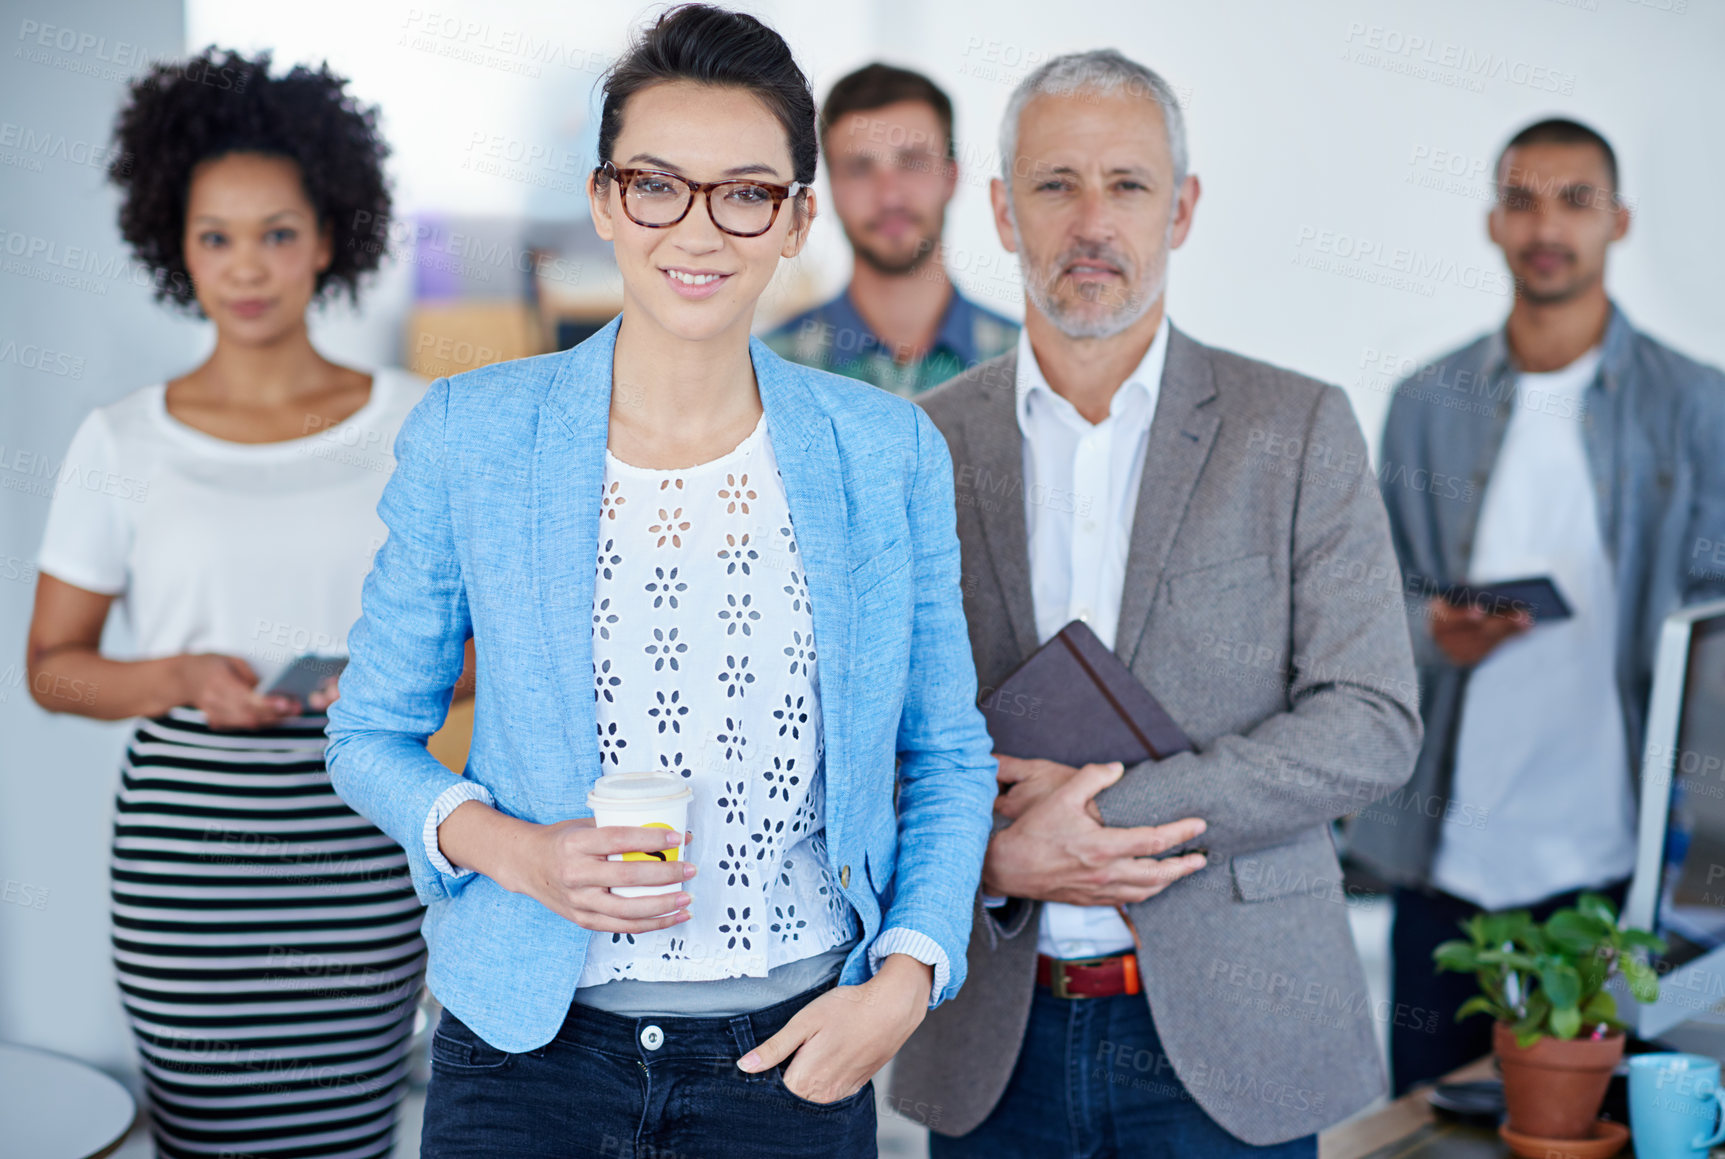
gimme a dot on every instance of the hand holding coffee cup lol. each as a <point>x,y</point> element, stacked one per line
<point>620,871</point>
<point>646,800</point>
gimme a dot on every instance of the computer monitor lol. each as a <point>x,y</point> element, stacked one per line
<point>1679,887</point>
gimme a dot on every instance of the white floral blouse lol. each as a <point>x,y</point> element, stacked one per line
<point>704,664</point>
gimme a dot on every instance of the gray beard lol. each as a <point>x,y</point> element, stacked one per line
<point>1106,325</point>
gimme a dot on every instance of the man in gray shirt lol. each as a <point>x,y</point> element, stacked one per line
<point>1566,445</point>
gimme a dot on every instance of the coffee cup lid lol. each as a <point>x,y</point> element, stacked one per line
<point>649,785</point>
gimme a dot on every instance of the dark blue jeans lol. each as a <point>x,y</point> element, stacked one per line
<point>632,1088</point>
<point>1092,1082</point>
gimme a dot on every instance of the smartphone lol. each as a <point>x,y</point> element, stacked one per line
<point>1536,595</point>
<point>305,676</point>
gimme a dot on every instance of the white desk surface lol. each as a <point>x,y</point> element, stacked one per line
<point>53,1107</point>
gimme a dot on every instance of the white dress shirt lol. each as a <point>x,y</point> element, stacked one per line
<point>1541,754</point>
<point>1080,494</point>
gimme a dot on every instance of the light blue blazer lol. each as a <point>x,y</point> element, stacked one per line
<point>493,517</point>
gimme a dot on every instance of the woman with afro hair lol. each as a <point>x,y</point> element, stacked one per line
<point>266,937</point>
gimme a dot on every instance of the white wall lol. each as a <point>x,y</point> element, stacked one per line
<point>1304,122</point>
<point>67,288</point>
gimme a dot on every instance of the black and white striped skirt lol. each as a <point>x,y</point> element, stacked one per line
<point>267,943</point>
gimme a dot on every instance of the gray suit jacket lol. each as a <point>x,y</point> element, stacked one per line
<point>1257,505</point>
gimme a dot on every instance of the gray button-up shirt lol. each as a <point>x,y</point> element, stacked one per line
<point>1654,429</point>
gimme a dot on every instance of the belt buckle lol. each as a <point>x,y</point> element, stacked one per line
<point>1057,975</point>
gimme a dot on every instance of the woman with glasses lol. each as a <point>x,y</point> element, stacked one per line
<point>676,553</point>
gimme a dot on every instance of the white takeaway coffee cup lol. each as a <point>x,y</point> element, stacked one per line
<point>653,799</point>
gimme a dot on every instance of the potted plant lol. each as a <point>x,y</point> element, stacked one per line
<point>1557,1037</point>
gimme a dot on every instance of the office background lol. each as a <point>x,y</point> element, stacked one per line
<point>1345,149</point>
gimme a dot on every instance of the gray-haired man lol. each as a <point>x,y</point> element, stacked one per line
<point>1194,507</point>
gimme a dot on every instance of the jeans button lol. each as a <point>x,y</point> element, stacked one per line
<point>652,1037</point>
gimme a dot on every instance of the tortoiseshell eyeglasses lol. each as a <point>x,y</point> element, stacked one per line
<point>657,199</point>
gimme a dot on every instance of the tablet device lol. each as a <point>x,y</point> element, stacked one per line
<point>1536,595</point>
<point>305,675</point>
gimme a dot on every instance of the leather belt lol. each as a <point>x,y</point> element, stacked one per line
<point>1088,977</point>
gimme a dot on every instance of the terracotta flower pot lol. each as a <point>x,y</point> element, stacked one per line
<point>1554,1088</point>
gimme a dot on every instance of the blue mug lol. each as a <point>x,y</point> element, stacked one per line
<point>1676,1106</point>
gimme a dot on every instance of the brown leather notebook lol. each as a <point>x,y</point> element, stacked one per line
<point>1074,702</point>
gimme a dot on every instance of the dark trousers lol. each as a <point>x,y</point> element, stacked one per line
<point>609,1087</point>
<point>1092,1082</point>
<point>1431,1043</point>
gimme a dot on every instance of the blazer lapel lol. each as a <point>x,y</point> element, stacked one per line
<point>994,452</point>
<point>808,457</point>
<point>1181,436</point>
<point>568,474</point>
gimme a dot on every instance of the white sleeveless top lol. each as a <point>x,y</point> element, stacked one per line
<point>704,664</point>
